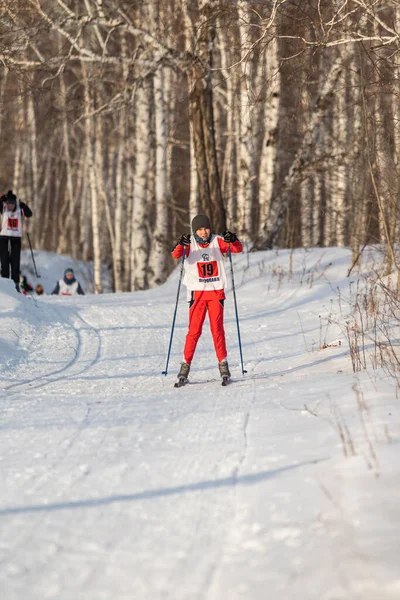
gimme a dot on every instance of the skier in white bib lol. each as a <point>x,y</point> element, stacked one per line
<point>12,213</point>
<point>68,286</point>
<point>206,281</point>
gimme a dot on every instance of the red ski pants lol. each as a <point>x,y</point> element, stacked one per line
<point>197,314</point>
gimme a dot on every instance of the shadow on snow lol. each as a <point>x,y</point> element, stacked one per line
<point>231,481</point>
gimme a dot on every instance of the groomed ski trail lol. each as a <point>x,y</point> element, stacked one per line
<point>120,486</point>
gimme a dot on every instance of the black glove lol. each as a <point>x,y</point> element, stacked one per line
<point>185,240</point>
<point>229,237</point>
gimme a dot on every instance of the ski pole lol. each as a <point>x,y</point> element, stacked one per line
<point>176,309</point>
<point>33,258</point>
<point>236,310</point>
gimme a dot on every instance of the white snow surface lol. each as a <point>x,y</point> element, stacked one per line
<point>115,485</point>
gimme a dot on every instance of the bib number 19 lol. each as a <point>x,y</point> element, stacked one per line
<point>208,269</point>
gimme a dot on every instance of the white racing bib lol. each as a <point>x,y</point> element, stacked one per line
<point>11,223</point>
<point>204,267</point>
<point>68,290</point>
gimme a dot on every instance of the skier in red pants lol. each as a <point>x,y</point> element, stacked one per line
<point>205,279</point>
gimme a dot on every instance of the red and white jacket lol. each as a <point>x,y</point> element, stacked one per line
<point>204,269</point>
<point>11,221</point>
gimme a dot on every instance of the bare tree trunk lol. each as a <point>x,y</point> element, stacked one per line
<point>68,165</point>
<point>271,117</point>
<point>202,127</point>
<point>117,220</point>
<point>19,147</point>
<point>2,90</point>
<point>51,207</point>
<point>34,196</point>
<point>201,114</point>
<point>272,228</point>
<point>140,239</point>
<point>82,194</point>
<point>158,256</point>
<point>245,158</point>
<point>358,224</point>
<point>339,179</point>
<point>307,210</point>
<point>318,208</point>
<point>109,207</point>
<point>307,197</point>
<point>100,171</point>
<point>228,177</point>
<point>171,90</point>
<point>194,196</point>
<point>95,222</point>
<point>396,138</point>
<point>129,186</point>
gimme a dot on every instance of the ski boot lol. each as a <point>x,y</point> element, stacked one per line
<point>224,372</point>
<point>183,374</point>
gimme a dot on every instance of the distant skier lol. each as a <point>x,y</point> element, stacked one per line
<point>39,291</point>
<point>205,279</point>
<point>68,286</point>
<point>12,213</point>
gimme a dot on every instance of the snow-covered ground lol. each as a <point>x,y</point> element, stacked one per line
<point>115,485</point>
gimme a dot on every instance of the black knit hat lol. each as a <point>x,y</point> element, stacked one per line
<point>10,197</point>
<point>199,222</point>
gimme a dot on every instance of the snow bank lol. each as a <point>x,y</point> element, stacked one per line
<point>11,315</point>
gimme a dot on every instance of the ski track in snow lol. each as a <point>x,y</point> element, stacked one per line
<point>119,486</point>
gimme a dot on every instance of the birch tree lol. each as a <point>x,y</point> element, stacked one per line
<point>339,180</point>
<point>245,155</point>
<point>201,114</point>
<point>94,204</point>
<point>158,258</point>
<point>140,236</point>
<point>267,176</point>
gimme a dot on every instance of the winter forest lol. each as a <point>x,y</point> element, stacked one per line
<point>120,120</point>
